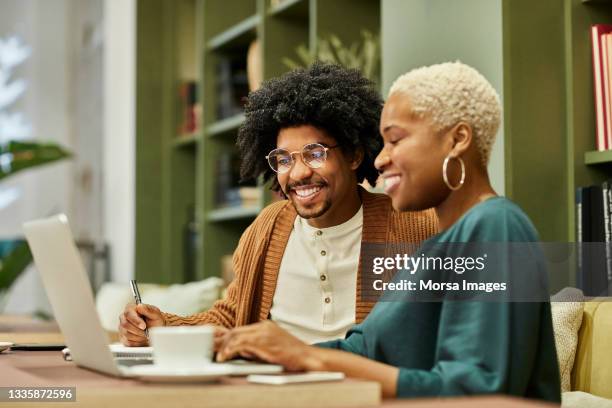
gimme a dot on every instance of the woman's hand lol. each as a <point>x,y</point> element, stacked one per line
<point>220,333</point>
<point>268,342</point>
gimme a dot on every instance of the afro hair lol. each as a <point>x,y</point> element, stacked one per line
<point>339,101</point>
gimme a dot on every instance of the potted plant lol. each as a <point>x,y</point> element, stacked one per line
<point>16,152</point>
<point>16,156</point>
<point>363,56</point>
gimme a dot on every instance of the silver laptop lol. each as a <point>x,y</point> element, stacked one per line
<point>63,275</point>
<point>58,261</point>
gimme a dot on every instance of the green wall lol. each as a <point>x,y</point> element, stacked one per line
<point>424,32</point>
<point>535,114</point>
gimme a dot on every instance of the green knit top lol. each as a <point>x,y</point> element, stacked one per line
<point>466,347</point>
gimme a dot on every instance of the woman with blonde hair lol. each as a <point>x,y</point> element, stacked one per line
<point>438,126</point>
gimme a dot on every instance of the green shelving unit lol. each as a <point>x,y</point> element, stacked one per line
<point>279,29</point>
<point>185,141</point>
<point>598,158</point>
<point>549,116</point>
<point>237,35</point>
<point>225,126</point>
<point>549,112</point>
<point>297,9</point>
<point>188,40</point>
<point>581,126</point>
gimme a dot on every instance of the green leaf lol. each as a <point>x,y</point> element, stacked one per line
<point>305,55</point>
<point>289,63</point>
<point>362,55</point>
<point>18,156</point>
<point>14,263</point>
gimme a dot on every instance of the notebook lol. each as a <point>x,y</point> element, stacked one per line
<point>313,376</point>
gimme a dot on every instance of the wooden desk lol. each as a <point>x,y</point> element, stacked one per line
<point>495,401</point>
<point>47,368</point>
<point>26,329</point>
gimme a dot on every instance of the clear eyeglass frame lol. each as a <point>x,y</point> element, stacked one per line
<point>313,155</point>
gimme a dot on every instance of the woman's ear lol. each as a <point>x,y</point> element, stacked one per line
<point>462,138</point>
<point>357,158</point>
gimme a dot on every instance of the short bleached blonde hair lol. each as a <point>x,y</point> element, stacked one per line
<point>452,92</point>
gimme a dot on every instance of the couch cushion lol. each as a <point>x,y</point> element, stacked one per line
<point>110,301</point>
<point>185,299</point>
<point>579,399</point>
<point>179,299</point>
<point>593,367</point>
<point>567,307</point>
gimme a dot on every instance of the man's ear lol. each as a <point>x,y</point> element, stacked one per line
<point>357,158</point>
<point>462,138</point>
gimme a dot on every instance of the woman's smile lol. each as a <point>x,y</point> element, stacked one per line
<point>391,182</point>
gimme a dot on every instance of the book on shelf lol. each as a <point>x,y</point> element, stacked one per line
<point>230,191</point>
<point>232,84</point>
<point>607,67</point>
<point>190,245</point>
<point>594,239</point>
<point>250,196</point>
<point>276,3</point>
<point>607,209</point>
<point>227,169</point>
<point>601,45</point>
<point>189,109</point>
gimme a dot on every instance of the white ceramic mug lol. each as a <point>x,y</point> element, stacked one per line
<point>182,347</point>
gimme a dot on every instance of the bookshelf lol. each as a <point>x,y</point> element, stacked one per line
<point>586,166</point>
<point>186,141</point>
<point>598,158</point>
<point>297,9</point>
<point>225,126</point>
<point>549,112</point>
<point>549,115</point>
<point>238,35</point>
<point>192,40</point>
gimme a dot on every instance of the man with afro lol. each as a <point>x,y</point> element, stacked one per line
<point>313,134</point>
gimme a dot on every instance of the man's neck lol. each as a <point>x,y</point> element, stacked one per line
<point>340,212</point>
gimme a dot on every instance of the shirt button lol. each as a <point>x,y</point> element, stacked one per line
<point>323,253</point>
<point>319,233</point>
<point>327,300</point>
<point>323,277</point>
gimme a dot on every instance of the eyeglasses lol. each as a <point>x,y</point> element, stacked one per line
<point>313,155</point>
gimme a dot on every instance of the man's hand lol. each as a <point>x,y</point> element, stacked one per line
<point>268,342</point>
<point>133,322</point>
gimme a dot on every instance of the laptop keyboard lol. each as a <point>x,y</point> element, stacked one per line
<point>130,361</point>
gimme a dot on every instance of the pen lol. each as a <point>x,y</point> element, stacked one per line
<point>137,298</point>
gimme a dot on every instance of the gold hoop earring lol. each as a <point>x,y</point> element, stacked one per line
<point>445,176</point>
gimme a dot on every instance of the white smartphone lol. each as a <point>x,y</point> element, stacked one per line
<point>313,376</point>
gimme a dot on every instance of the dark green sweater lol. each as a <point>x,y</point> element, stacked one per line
<point>466,347</point>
